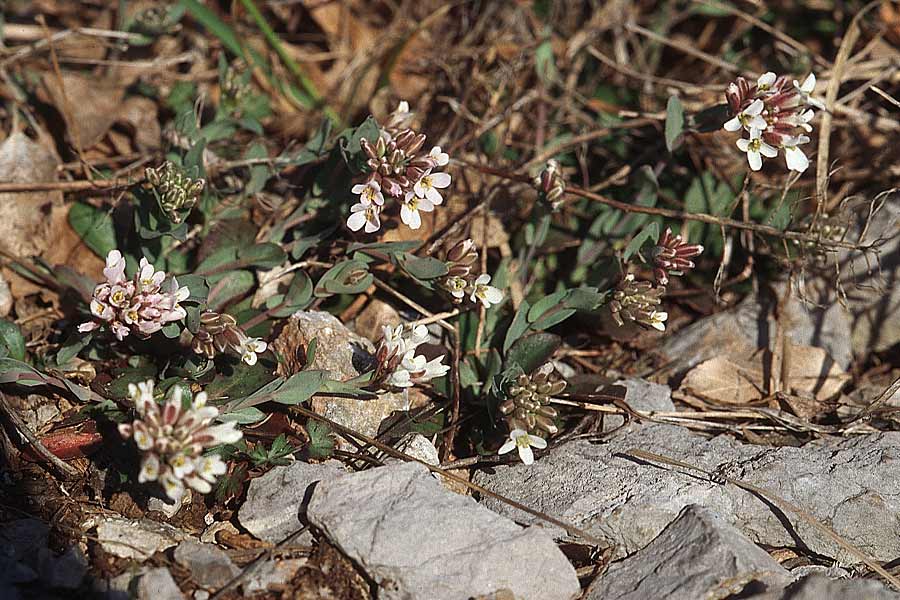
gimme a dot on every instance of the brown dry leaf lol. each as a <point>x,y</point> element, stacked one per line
<point>726,379</point>
<point>140,115</point>
<point>92,107</point>
<point>741,377</point>
<point>24,215</point>
<point>351,80</point>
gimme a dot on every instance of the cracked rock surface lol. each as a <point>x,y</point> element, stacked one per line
<point>849,484</point>
<point>276,502</point>
<point>420,541</point>
<point>698,555</point>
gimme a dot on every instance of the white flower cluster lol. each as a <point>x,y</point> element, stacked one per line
<point>140,305</point>
<point>396,169</point>
<point>173,440</point>
<point>398,363</point>
<point>460,279</point>
<point>775,113</point>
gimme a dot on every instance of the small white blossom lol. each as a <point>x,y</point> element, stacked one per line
<point>249,348</point>
<point>440,158</point>
<point>805,90</point>
<point>364,214</point>
<point>658,320</point>
<point>487,294</point>
<point>794,157</point>
<point>749,118</point>
<point>523,442</point>
<point>369,193</point>
<point>765,81</point>
<point>429,184</point>
<point>756,148</point>
<point>409,211</point>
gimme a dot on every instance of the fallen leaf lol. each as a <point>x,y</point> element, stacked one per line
<point>741,377</point>
<point>89,105</point>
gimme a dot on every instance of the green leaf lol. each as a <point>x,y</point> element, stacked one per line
<point>545,304</point>
<point>229,287</point>
<point>674,121</point>
<point>545,62</point>
<point>554,317</point>
<point>259,174</point>
<point>518,326</point>
<point>321,439</point>
<point>94,226</point>
<point>650,232</point>
<point>71,347</point>
<point>297,297</point>
<point>244,416</point>
<point>299,387</point>
<point>337,279</point>
<point>425,267</point>
<point>11,337</point>
<point>267,256</point>
<point>215,25</point>
<point>533,350</point>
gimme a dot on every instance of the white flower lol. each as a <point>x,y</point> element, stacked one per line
<point>658,320</point>
<point>440,158</point>
<point>149,278</point>
<point>434,368</point>
<point>485,293</point>
<point>523,441</point>
<point>794,157</point>
<point>399,378</point>
<point>412,204</point>
<point>249,348</point>
<point>369,193</point>
<point>749,118</point>
<point>364,213</point>
<point>805,90</point>
<point>765,81</point>
<point>429,184</point>
<point>402,107</point>
<point>754,147</point>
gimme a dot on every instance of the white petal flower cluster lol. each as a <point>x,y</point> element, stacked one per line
<point>775,113</point>
<point>173,437</point>
<point>399,364</point>
<point>399,172</point>
<point>140,305</point>
<point>461,281</point>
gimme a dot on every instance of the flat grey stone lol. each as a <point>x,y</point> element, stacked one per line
<point>641,395</point>
<point>420,541</point>
<point>157,584</point>
<point>140,538</point>
<point>849,484</point>
<point>65,571</point>
<point>276,502</point>
<point>23,538</point>
<point>817,587</point>
<point>210,566</point>
<point>698,555</point>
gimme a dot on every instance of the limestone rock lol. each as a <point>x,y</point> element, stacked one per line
<point>698,555</point>
<point>850,484</point>
<point>276,502</point>
<point>420,541</point>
